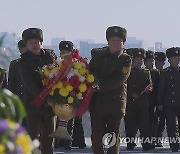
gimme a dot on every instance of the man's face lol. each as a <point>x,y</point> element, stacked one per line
<point>159,64</point>
<point>137,62</point>
<point>34,46</point>
<point>174,61</point>
<point>64,54</point>
<point>115,44</point>
<point>149,63</point>
<point>22,50</point>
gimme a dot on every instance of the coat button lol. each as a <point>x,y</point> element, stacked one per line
<point>172,101</point>
<point>173,93</point>
<point>172,85</point>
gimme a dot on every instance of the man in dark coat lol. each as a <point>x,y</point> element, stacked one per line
<point>14,78</point>
<point>15,84</point>
<point>107,107</point>
<point>169,96</point>
<point>160,58</point>
<point>137,111</point>
<point>40,121</point>
<point>152,96</point>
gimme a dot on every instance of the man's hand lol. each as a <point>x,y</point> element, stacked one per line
<point>149,88</point>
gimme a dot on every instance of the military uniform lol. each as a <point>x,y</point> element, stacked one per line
<point>160,115</point>
<point>107,106</point>
<point>40,121</point>
<point>15,83</point>
<point>3,79</point>
<point>168,96</point>
<point>14,79</point>
<point>137,110</point>
<point>152,96</point>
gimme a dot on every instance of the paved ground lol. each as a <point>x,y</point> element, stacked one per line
<point>88,150</point>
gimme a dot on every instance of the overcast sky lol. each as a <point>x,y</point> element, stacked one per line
<point>150,20</point>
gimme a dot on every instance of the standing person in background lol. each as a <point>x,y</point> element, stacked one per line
<point>160,58</point>
<point>65,48</point>
<point>107,107</point>
<point>15,84</point>
<point>168,96</point>
<point>137,110</point>
<point>152,96</point>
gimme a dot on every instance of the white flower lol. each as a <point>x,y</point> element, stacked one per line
<point>81,78</point>
<point>58,61</point>
<point>71,73</point>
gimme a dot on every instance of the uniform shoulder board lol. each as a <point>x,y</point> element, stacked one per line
<point>15,61</point>
<point>97,51</point>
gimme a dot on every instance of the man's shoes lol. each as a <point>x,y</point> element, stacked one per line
<point>80,146</point>
<point>159,144</point>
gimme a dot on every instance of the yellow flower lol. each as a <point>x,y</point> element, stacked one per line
<point>51,93</point>
<point>79,95</point>
<point>82,71</point>
<point>63,92</point>
<point>44,82</point>
<point>2,149</point>
<point>46,72</point>
<point>70,100</point>
<point>78,65</point>
<point>69,88</point>
<point>59,85</point>
<point>24,142</point>
<point>90,78</point>
<point>82,88</point>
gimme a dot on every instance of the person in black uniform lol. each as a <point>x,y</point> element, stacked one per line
<point>168,96</point>
<point>65,47</point>
<point>14,77</point>
<point>160,58</point>
<point>40,121</point>
<point>137,109</point>
<point>152,96</point>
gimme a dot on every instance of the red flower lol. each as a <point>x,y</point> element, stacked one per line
<point>74,81</point>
